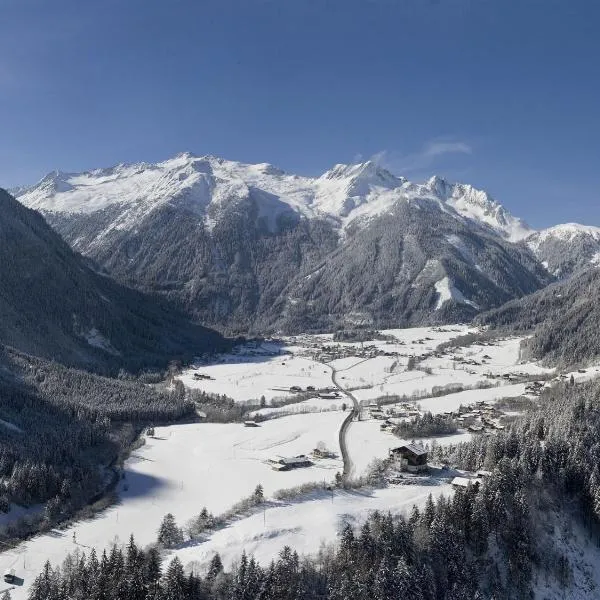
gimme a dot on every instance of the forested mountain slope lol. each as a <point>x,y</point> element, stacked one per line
<point>564,319</point>
<point>61,429</point>
<point>53,305</point>
<point>251,248</point>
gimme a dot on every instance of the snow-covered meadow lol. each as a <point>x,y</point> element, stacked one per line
<point>181,470</point>
<point>304,525</point>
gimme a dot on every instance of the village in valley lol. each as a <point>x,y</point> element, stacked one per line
<point>334,429</point>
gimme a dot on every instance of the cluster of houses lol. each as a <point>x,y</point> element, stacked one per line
<point>329,353</point>
<point>534,388</point>
<point>478,417</point>
<point>324,393</point>
<point>394,415</point>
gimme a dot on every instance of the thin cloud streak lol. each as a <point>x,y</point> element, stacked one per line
<point>431,153</point>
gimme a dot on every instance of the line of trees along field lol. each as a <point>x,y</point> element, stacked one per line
<point>491,541</point>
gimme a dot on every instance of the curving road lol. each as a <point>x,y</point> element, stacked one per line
<point>346,423</point>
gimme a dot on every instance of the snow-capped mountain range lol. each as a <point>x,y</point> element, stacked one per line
<point>250,247</point>
<point>343,195</point>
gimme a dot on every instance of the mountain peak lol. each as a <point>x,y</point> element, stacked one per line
<point>479,206</point>
<point>366,170</point>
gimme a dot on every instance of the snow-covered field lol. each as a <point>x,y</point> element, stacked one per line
<point>184,468</point>
<point>272,368</point>
<point>304,525</point>
<point>187,467</point>
<point>366,443</point>
<point>248,376</point>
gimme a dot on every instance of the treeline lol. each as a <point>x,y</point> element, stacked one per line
<point>361,335</point>
<point>219,408</point>
<point>102,397</point>
<point>426,425</point>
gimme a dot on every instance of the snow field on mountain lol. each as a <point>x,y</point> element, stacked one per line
<point>181,470</point>
<point>343,194</point>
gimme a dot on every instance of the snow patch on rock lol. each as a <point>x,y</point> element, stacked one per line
<point>94,338</point>
<point>447,291</point>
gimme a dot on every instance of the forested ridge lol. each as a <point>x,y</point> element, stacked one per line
<point>59,425</point>
<point>55,305</point>
<point>241,276</point>
<point>563,318</point>
<point>491,541</point>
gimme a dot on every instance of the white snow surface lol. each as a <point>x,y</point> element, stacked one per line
<point>565,232</point>
<point>448,291</point>
<point>344,194</point>
<point>304,525</point>
<point>182,469</point>
<point>248,377</point>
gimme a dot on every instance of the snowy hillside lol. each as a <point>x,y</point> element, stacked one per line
<point>205,184</point>
<point>250,248</point>
<point>564,249</point>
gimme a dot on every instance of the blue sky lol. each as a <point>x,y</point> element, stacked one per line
<point>503,94</point>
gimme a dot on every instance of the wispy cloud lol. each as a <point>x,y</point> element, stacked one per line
<point>430,154</point>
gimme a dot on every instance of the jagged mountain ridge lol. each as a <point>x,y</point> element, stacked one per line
<point>53,305</point>
<point>250,247</point>
<point>342,195</point>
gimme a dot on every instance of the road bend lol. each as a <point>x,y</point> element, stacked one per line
<point>354,413</point>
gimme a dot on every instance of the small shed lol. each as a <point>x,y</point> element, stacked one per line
<point>464,482</point>
<point>282,463</point>
<point>412,457</point>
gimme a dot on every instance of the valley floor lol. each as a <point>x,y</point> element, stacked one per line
<point>184,468</point>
